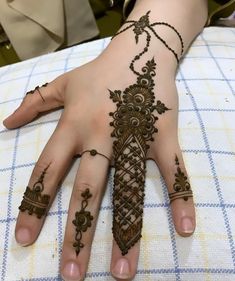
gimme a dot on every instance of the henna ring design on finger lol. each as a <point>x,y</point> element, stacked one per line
<point>94,152</point>
<point>33,200</point>
<point>82,221</point>
<point>37,89</point>
<point>134,125</point>
<point>182,188</point>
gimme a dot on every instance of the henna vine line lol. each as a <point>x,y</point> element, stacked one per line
<point>37,89</point>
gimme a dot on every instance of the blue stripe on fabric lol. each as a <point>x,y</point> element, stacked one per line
<point>147,272</point>
<point>186,270</point>
<point>60,228</point>
<point>213,171</point>
<point>196,151</point>
<point>7,220</point>
<point>12,100</point>
<point>8,68</point>
<point>17,167</point>
<point>218,66</point>
<point>207,57</point>
<point>146,206</point>
<point>206,79</point>
<point>214,45</point>
<point>70,68</point>
<point>212,151</point>
<point>33,125</point>
<point>172,232</point>
<point>6,236</point>
<point>208,110</point>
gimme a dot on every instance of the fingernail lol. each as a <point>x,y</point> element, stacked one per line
<point>71,272</point>
<point>187,225</point>
<point>121,269</point>
<point>23,236</point>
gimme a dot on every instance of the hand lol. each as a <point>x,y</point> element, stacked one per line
<point>85,123</point>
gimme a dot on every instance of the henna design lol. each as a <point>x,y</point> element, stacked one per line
<point>134,125</point>
<point>33,200</point>
<point>82,221</point>
<point>37,89</point>
<point>94,152</point>
<point>181,186</point>
<point>143,25</point>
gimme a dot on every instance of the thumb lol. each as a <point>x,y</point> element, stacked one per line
<point>39,100</point>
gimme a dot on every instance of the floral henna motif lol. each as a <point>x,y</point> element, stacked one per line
<point>134,125</point>
<point>82,221</point>
<point>182,188</point>
<point>34,201</point>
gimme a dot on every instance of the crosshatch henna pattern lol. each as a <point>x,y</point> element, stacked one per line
<point>134,125</point>
<point>82,221</point>
<point>182,188</point>
<point>34,201</point>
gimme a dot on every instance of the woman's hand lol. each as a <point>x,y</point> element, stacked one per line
<point>84,126</point>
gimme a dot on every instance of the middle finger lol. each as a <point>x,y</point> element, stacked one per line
<point>83,210</point>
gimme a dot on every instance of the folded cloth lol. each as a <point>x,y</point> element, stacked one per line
<point>38,27</point>
<point>206,85</point>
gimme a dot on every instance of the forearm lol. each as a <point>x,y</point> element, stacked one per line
<point>187,16</point>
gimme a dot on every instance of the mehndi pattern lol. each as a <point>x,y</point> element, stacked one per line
<point>182,188</point>
<point>134,125</point>
<point>82,221</point>
<point>33,200</point>
<point>37,89</point>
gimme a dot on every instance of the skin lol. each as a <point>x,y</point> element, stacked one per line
<point>75,92</point>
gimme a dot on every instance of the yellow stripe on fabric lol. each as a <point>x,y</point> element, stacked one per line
<point>229,132</point>
<point>201,237</point>
<point>144,253</point>
<point>32,261</point>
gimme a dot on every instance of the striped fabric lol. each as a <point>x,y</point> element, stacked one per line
<point>206,83</point>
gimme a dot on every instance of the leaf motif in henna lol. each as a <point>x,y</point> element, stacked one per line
<point>160,107</point>
<point>182,188</point>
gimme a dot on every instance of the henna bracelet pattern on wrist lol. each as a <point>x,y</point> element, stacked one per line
<point>182,188</point>
<point>82,221</point>
<point>134,125</point>
<point>37,89</point>
<point>34,201</point>
<point>143,25</point>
